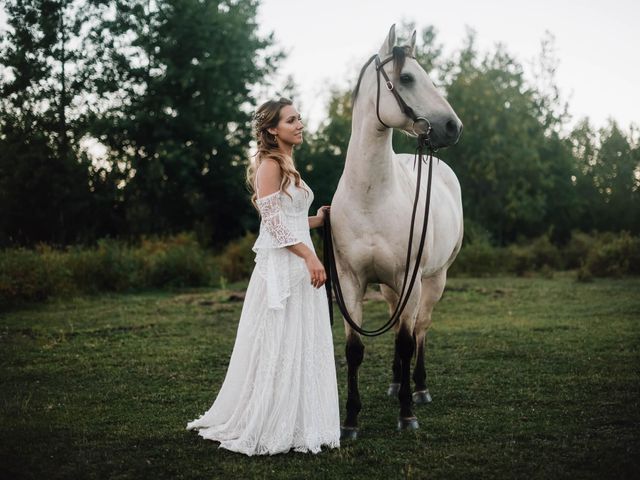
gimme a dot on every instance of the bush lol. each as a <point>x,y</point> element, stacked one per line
<point>177,262</point>
<point>42,273</point>
<point>576,250</point>
<point>59,277</point>
<point>536,255</point>
<point>520,259</point>
<point>613,255</point>
<point>112,266</point>
<point>478,259</point>
<point>22,277</point>
<point>237,259</point>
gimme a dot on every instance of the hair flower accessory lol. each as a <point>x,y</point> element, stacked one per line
<point>258,119</point>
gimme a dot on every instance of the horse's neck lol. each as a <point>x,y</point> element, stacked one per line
<point>369,167</point>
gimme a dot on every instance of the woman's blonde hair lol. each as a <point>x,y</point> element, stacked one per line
<point>267,116</point>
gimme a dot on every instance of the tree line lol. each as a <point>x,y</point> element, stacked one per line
<point>165,90</point>
<point>164,86</point>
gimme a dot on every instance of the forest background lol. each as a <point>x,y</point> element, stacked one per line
<point>125,133</point>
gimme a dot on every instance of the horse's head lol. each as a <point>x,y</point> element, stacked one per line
<point>425,110</point>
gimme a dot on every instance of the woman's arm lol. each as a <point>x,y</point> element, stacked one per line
<point>268,178</point>
<point>315,221</point>
<point>268,182</point>
<point>318,219</point>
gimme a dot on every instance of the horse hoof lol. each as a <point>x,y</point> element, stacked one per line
<point>394,388</point>
<point>348,433</point>
<point>410,423</point>
<point>421,397</point>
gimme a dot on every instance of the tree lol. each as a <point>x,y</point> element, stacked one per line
<point>322,157</point>
<point>165,86</point>
<point>514,168</point>
<point>179,135</point>
<point>44,194</point>
<point>614,179</point>
<point>607,180</point>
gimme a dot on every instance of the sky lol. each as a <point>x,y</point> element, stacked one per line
<point>596,43</point>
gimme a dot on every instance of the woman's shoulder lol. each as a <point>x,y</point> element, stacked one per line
<point>269,163</point>
<point>269,168</point>
<point>268,177</point>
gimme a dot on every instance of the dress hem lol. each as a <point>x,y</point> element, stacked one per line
<point>330,443</point>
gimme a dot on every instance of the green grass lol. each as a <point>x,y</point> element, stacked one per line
<point>530,378</point>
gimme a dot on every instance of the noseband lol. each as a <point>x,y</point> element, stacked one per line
<point>333,280</point>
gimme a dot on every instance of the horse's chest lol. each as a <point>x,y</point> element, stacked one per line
<point>373,237</point>
<point>375,257</point>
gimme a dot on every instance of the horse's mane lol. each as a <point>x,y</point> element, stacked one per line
<point>399,54</point>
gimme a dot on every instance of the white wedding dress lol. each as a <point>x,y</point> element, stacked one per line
<point>280,391</point>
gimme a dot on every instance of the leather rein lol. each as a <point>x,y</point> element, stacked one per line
<point>333,281</point>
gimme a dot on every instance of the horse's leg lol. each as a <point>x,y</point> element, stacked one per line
<point>394,386</point>
<point>432,289</point>
<point>405,346</point>
<point>392,300</point>
<point>352,294</point>
<point>355,354</point>
<point>421,393</point>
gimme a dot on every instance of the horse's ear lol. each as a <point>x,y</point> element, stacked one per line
<point>413,44</point>
<point>389,42</point>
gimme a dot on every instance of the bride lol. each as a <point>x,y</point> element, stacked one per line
<point>280,391</point>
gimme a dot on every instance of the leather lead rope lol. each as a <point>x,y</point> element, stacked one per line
<point>333,281</point>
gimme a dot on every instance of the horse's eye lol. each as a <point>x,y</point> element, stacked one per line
<point>406,78</point>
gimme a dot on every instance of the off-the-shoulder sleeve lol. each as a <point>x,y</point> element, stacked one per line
<point>273,220</point>
<point>280,268</point>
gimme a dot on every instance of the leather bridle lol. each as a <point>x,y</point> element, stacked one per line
<point>406,109</point>
<point>333,280</point>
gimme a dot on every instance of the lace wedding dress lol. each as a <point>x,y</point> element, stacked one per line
<point>280,391</point>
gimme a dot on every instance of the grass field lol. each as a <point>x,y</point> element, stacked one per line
<point>530,378</point>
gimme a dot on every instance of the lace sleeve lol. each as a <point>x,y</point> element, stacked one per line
<point>273,220</point>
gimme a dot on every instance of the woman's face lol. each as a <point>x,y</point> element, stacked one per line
<point>289,128</point>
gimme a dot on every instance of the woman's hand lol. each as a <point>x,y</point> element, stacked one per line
<point>321,211</point>
<point>316,271</point>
